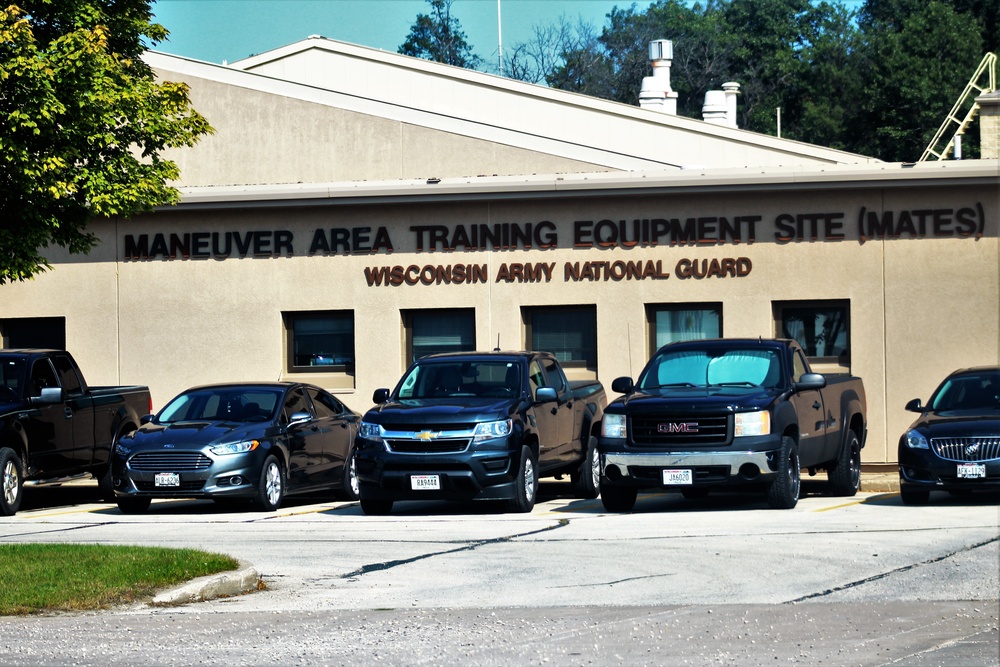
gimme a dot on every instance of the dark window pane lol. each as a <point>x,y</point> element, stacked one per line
<point>436,331</point>
<point>569,334</point>
<point>674,324</point>
<point>821,331</point>
<point>322,339</point>
<point>34,332</point>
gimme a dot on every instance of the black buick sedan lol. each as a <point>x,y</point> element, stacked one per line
<point>954,445</point>
<point>239,443</point>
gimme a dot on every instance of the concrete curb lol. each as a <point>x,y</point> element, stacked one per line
<point>880,482</point>
<point>235,582</point>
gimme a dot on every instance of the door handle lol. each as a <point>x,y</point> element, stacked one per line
<point>816,405</point>
<point>68,412</point>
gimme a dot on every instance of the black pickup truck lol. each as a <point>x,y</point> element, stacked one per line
<point>53,427</point>
<point>479,425</point>
<point>728,412</point>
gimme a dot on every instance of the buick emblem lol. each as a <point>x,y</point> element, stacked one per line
<point>972,449</point>
<point>677,427</point>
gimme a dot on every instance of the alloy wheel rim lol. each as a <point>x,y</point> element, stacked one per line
<point>9,482</point>
<point>595,467</point>
<point>855,468</point>
<point>529,479</point>
<point>793,478</point>
<point>353,477</point>
<point>273,484</point>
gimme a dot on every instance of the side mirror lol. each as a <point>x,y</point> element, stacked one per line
<point>545,394</point>
<point>49,396</point>
<point>622,385</point>
<point>146,419</point>
<point>380,395</point>
<point>915,406</point>
<point>810,381</point>
<point>299,418</point>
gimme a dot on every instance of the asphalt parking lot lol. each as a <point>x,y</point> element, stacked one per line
<point>724,580</point>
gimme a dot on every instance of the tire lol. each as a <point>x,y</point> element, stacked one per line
<point>696,492</point>
<point>271,486</point>
<point>587,480</point>
<point>376,507</point>
<point>350,488</point>
<point>12,479</point>
<point>845,475</point>
<point>525,484</point>
<point>133,505</point>
<point>106,486</point>
<point>914,496</point>
<point>783,493</point>
<point>618,498</point>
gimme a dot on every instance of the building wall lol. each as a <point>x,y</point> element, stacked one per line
<point>922,301</point>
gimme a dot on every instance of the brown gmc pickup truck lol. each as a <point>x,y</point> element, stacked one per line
<point>53,427</point>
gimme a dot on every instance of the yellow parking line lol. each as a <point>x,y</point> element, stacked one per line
<point>856,502</point>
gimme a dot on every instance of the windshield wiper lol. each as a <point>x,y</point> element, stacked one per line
<point>734,384</point>
<point>671,384</point>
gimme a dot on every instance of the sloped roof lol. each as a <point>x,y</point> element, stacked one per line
<point>418,118</point>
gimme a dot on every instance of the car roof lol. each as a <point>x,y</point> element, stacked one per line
<point>493,355</point>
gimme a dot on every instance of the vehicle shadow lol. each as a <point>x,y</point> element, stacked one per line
<point>56,496</point>
<point>942,499</point>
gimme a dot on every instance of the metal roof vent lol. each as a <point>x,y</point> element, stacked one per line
<point>720,105</point>
<point>655,93</point>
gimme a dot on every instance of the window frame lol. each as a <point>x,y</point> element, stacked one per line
<point>407,315</point>
<point>585,366</point>
<point>839,363</point>
<point>289,319</point>
<point>652,309</point>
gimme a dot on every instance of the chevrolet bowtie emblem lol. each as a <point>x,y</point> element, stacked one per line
<point>425,435</point>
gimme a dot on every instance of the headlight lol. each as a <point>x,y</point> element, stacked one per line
<point>370,431</point>
<point>122,450</point>
<point>613,426</point>
<point>916,440</point>
<point>236,447</point>
<point>491,430</point>
<point>752,423</point>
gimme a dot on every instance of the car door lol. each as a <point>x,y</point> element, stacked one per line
<point>49,427</point>
<point>79,410</point>
<point>339,427</point>
<point>546,418</point>
<point>811,413</point>
<point>564,409</point>
<point>305,440</point>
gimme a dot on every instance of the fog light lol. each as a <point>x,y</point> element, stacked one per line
<point>236,480</point>
<point>118,482</point>
<point>749,471</point>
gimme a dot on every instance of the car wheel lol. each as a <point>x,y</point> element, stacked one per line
<point>133,505</point>
<point>350,488</point>
<point>587,480</point>
<point>525,484</point>
<point>845,475</point>
<point>376,507</point>
<point>914,496</point>
<point>783,493</point>
<point>271,486</point>
<point>695,492</point>
<point>618,498</point>
<point>13,483</point>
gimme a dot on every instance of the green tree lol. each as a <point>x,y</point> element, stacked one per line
<point>84,122</point>
<point>917,63</point>
<point>439,37</point>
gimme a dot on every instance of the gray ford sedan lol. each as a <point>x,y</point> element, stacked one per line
<point>238,443</point>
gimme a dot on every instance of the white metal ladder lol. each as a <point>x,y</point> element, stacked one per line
<point>988,67</point>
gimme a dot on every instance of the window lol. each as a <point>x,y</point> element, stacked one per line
<point>568,333</point>
<point>320,341</point>
<point>47,333</point>
<point>822,328</point>
<point>434,331</point>
<point>325,404</point>
<point>295,402</point>
<point>68,377</point>
<point>689,321</point>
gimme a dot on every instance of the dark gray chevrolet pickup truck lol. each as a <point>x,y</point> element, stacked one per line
<point>54,427</point>
<point>479,425</point>
<point>731,412</point>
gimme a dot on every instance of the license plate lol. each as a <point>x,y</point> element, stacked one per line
<point>671,477</point>
<point>425,482</point>
<point>167,479</point>
<point>971,470</point>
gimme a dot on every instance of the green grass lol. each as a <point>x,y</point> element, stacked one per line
<point>73,577</point>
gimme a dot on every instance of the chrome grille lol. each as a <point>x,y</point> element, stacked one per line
<point>169,461</point>
<point>436,446</point>
<point>682,430</point>
<point>985,448</point>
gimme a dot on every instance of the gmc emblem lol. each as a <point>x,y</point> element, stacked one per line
<point>678,427</point>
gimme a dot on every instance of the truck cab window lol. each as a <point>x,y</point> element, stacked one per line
<point>68,378</point>
<point>42,376</point>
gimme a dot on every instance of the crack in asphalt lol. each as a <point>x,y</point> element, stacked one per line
<point>386,565</point>
<point>617,581</point>
<point>63,529</point>
<point>876,577</point>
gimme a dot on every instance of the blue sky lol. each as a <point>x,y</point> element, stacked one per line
<point>228,30</point>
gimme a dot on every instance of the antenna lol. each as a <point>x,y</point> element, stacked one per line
<point>497,348</point>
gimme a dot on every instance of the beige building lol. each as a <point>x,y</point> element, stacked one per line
<point>356,209</point>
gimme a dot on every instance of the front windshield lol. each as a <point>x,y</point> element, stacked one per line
<point>453,379</point>
<point>979,391</point>
<point>230,404</point>
<point>701,368</point>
